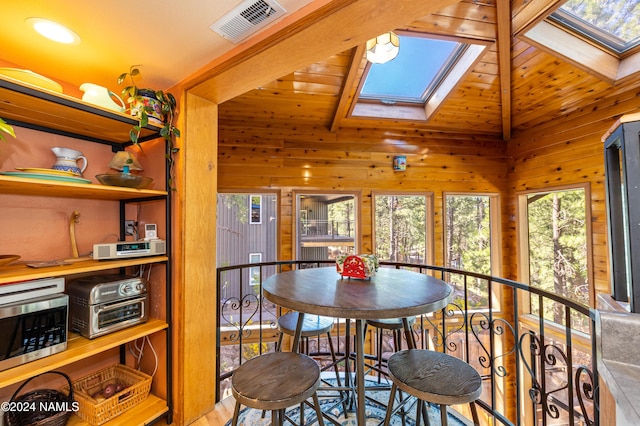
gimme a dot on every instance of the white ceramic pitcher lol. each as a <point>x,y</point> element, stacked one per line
<point>101,96</point>
<point>67,160</point>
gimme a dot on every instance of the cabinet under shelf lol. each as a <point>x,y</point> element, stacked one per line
<point>79,348</point>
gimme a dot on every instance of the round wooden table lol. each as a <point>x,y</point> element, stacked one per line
<point>391,293</point>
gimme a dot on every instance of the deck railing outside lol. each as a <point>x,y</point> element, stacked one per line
<point>310,229</point>
<point>534,350</point>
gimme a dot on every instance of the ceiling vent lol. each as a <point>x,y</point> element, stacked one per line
<point>247,18</point>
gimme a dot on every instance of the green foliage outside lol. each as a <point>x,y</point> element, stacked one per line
<point>618,17</point>
<point>558,248</point>
<point>400,228</point>
<point>468,245</point>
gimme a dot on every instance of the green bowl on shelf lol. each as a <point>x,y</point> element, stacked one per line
<point>125,179</point>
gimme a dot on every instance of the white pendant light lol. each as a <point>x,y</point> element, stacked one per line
<point>383,48</point>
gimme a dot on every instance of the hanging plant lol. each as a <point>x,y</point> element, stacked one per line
<point>154,104</point>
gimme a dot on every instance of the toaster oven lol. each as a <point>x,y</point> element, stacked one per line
<point>101,304</point>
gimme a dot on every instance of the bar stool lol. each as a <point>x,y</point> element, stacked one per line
<point>433,377</point>
<point>312,326</point>
<point>275,381</point>
<point>396,327</point>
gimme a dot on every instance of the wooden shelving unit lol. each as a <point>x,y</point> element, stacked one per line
<point>50,188</point>
<point>20,272</point>
<point>143,413</point>
<point>79,348</point>
<point>51,112</point>
<point>41,109</point>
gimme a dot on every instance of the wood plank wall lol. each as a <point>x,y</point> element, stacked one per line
<point>565,151</point>
<point>357,160</point>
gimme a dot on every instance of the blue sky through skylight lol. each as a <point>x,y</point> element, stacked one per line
<point>407,77</point>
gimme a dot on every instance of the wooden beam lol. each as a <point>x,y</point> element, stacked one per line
<point>532,13</point>
<point>347,94</point>
<point>337,27</point>
<point>504,63</point>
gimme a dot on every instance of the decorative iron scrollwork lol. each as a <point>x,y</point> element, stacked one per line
<point>479,321</point>
<point>246,308</point>
<point>441,335</point>
<point>539,361</point>
<point>585,391</point>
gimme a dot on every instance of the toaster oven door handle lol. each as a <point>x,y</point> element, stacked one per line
<point>111,306</point>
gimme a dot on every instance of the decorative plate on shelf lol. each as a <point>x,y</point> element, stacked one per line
<point>46,176</point>
<point>45,171</point>
<point>30,77</point>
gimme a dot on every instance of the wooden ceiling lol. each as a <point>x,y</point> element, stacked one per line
<point>513,86</point>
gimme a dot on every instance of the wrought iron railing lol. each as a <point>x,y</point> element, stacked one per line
<point>535,350</point>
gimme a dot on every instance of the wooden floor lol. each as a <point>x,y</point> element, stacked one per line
<point>219,416</point>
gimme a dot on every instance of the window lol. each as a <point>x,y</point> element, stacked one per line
<point>256,209</point>
<point>254,272</point>
<point>325,225</point>
<point>612,24</point>
<point>554,238</point>
<point>413,85</point>
<point>600,37</point>
<point>431,56</point>
<point>471,222</point>
<point>400,228</point>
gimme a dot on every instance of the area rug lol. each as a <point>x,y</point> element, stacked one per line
<point>374,411</point>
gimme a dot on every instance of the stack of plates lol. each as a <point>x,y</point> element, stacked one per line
<point>47,174</point>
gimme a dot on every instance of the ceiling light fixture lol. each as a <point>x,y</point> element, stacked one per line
<point>54,31</point>
<point>383,48</point>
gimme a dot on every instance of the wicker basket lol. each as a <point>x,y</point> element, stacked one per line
<point>40,403</point>
<point>137,386</point>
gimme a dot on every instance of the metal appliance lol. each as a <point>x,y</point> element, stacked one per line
<point>101,304</point>
<point>33,320</point>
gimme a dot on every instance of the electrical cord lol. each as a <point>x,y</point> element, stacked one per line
<point>137,350</point>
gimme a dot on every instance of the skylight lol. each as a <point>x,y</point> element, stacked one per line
<point>413,74</point>
<point>415,84</point>
<point>614,24</point>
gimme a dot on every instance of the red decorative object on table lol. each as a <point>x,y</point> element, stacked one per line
<point>353,267</point>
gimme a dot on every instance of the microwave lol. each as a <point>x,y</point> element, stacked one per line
<point>32,329</point>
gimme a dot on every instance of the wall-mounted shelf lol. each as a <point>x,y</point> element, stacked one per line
<point>20,272</point>
<point>143,414</point>
<point>50,188</point>
<point>66,115</point>
<point>79,348</point>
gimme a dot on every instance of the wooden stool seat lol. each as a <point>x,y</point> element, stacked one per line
<point>312,325</point>
<point>396,327</point>
<point>275,381</point>
<point>434,377</point>
<point>389,323</point>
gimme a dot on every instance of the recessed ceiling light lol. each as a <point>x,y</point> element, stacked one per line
<point>54,31</point>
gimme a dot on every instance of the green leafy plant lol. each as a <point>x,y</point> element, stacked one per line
<point>135,98</point>
<point>6,128</point>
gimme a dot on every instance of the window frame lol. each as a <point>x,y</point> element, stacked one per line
<point>422,112</point>
<point>295,220</point>
<point>495,233</point>
<point>251,221</point>
<point>254,268</point>
<point>522,239</point>
<point>429,256</point>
